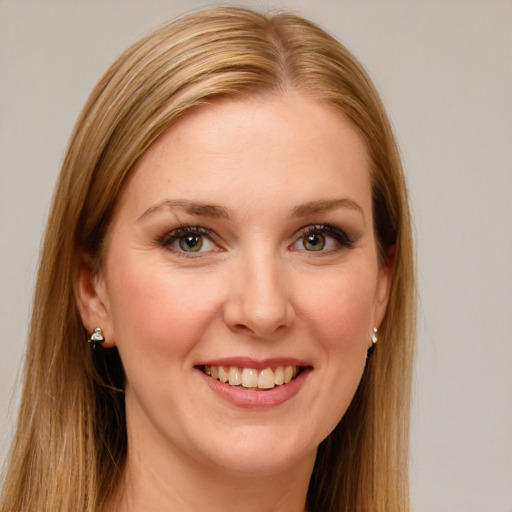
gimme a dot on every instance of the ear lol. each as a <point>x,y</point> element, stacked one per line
<point>383,288</point>
<point>92,299</point>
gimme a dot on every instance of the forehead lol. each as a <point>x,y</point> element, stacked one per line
<point>284,146</point>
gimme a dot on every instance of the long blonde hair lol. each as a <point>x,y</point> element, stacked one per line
<point>69,449</point>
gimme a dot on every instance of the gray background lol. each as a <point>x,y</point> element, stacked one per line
<point>444,70</point>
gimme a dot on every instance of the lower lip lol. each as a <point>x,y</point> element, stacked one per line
<point>252,399</point>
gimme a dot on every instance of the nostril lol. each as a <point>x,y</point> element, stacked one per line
<point>258,330</point>
<point>262,320</point>
<point>241,327</point>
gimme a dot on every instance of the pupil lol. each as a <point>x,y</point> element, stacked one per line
<point>191,243</point>
<point>314,242</point>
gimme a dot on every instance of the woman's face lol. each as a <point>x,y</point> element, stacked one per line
<point>243,248</point>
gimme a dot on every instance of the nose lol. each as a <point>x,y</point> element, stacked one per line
<point>259,298</point>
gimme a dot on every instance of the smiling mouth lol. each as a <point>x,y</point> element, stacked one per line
<point>250,378</point>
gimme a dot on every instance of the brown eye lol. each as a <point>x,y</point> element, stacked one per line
<point>314,242</point>
<point>191,243</point>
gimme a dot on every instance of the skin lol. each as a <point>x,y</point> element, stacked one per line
<point>254,290</point>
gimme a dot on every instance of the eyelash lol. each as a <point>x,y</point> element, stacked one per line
<point>173,236</point>
<point>326,229</point>
<point>338,235</point>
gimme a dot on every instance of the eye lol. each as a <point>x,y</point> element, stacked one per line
<point>314,242</point>
<point>321,238</point>
<point>188,240</point>
<point>191,243</point>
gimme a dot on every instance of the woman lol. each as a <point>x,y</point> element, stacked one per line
<point>229,231</point>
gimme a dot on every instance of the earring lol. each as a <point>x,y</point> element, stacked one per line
<point>96,338</point>
<point>374,336</point>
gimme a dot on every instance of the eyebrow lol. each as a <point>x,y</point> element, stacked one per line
<point>191,207</point>
<point>211,210</point>
<point>320,206</point>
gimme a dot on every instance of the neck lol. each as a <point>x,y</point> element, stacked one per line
<point>157,485</point>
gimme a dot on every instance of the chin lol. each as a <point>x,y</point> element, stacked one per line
<point>261,451</point>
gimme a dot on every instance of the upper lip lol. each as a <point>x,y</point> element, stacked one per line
<point>257,364</point>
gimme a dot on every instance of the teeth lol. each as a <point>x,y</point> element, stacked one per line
<point>235,379</point>
<point>223,374</point>
<point>266,379</point>
<point>252,378</point>
<point>249,378</point>
<point>279,376</point>
<point>288,373</point>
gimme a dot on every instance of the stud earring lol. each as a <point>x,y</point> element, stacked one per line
<point>374,336</point>
<point>96,338</point>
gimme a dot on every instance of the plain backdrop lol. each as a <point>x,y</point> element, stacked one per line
<point>444,69</point>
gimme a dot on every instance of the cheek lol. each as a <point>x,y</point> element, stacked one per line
<point>339,312</point>
<point>154,310</point>
<point>340,307</point>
